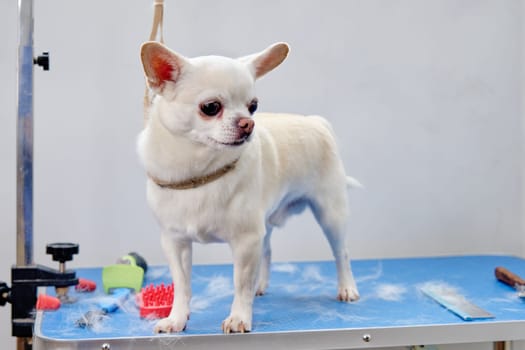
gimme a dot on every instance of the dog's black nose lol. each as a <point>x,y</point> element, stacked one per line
<point>246,125</point>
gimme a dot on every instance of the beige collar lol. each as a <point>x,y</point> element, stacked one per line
<point>195,182</point>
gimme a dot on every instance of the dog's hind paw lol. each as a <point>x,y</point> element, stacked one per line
<point>170,325</point>
<point>347,294</point>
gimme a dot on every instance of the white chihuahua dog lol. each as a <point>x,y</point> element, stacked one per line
<point>217,172</point>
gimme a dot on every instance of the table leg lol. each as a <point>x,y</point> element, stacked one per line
<point>501,345</point>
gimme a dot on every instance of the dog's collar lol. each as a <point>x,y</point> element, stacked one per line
<point>195,182</point>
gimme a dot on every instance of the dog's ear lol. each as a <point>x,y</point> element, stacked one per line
<point>161,65</point>
<point>266,60</point>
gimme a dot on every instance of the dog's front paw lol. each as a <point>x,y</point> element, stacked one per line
<point>347,294</point>
<point>236,324</point>
<point>171,325</point>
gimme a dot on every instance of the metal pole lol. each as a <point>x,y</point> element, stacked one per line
<point>24,163</point>
<point>24,227</point>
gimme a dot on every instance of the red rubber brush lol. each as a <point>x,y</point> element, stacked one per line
<point>155,301</point>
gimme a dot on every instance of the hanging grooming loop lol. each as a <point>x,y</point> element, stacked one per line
<point>157,26</point>
<point>156,31</point>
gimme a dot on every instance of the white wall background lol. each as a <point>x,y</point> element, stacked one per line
<point>426,97</point>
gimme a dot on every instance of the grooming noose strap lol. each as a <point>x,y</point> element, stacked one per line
<point>156,30</point>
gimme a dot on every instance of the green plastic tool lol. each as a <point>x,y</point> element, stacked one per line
<point>127,273</point>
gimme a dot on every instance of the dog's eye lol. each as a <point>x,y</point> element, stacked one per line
<point>211,109</point>
<point>252,107</point>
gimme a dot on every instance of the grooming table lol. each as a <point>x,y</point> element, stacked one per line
<point>300,310</point>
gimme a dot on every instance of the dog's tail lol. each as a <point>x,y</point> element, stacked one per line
<point>353,183</point>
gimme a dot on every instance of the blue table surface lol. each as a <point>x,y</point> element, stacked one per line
<point>301,297</point>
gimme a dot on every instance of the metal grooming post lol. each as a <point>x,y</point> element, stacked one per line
<point>26,277</point>
<point>24,228</point>
<point>24,177</point>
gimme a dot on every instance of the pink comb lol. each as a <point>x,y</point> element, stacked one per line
<point>155,301</point>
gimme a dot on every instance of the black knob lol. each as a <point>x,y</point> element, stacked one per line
<point>62,252</point>
<point>4,294</point>
<point>42,60</point>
